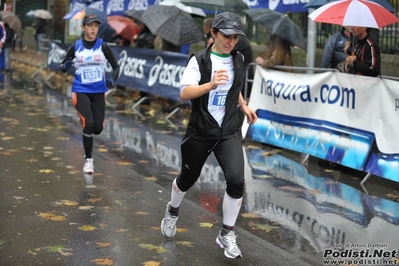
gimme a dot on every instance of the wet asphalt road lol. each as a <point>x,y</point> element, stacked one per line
<point>53,214</point>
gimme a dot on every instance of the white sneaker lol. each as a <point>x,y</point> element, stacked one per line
<point>168,224</point>
<point>228,243</point>
<point>88,168</point>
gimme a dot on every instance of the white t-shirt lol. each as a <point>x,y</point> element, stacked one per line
<point>217,97</point>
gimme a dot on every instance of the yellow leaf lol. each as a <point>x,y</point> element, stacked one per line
<point>174,173</point>
<point>141,213</point>
<point>124,163</point>
<point>58,218</point>
<point>103,261</point>
<point>186,243</point>
<point>87,228</point>
<point>31,252</point>
<point>250,215</point>
<point>94,200</point>
<point>103,245</point>
<point>181,230</point>
<point>102,150</point>
<point>85,208</point>
<point>262,176</point>
<point>7,138</point>
<point>46,215</point>
<point>48,148</point>
<point>143,161</point>
<point>150,178</point>
<point>158,249</point>
<point>208,225</point>
<point>151,263</point>
<point>121,230</point>
<point>266,228</point>
<point>46,171</point>
<point>290,188</point>
<point>67,203</point>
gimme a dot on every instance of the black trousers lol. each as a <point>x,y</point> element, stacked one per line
<point>229,155</point>
<point>91,110</point>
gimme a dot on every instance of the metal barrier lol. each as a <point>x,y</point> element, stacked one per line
<point>43,63</point>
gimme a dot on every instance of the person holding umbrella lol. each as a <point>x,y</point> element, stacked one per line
<point>213,80</point>
<point>277,52</point>
<point>39,33</point>
<point>90,55</point>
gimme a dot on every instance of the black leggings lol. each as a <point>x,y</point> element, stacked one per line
<point>91,110</point>
<point>229,155</point>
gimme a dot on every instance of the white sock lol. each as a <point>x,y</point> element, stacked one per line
<point>231,208</point>
<point>177,195</point>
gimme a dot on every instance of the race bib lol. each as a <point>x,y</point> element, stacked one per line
<point>91,74</point>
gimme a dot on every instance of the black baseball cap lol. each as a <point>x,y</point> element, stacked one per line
<point>89,18</point>
<point>228,23</point>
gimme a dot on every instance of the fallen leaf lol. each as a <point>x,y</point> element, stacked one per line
<point>208,225</point>
<point>85,208</point>
<point>55,248</point>
<point>293,189</point>
<point>266,228</point>
<point>124,163</point>
<point>141,213</point>
<point>181,230</point>
<point>102,150</point>
<point>158,249</point>
<point>174,173</point>
<point>186,243</point>
<point>150,178</point>
<point>66,203</point>
<point>143,161</point>
<point>250,215</point>
<point>121,230</point>
<point>103,245</point>
<point>151,263</point>
<point>87,228</point>
<point>106,261</point>
<point>262,176</point>
<point>94,200</point>
<point>46,171</point>
<point>58,218</point>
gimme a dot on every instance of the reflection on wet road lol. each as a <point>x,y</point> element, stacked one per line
<point>300,212</point>
<point>304,210</point>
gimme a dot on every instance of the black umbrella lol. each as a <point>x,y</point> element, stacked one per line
<point>235,6</point>
<point>172,24</point>
<point>279,24</point>
<point>135,14</point>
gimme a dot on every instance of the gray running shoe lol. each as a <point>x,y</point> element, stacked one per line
<point>228,243</point>
<point>168,224</point>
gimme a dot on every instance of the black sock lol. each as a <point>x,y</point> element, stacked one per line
<point>226,229</point>
<point>174,211</point>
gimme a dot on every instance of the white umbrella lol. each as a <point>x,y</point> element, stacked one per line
<point>194,11</point>
<point>42,13</point>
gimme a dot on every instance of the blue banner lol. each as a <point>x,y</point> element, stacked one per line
<point>153,71</point>
<point>117,7</point>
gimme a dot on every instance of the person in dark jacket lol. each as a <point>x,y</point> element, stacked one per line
<point>145,39</point>
<point>213,81</point>
<point>333,52</point>
<point>366,57</point>
<point>7,47</point>
<point>39,32</point>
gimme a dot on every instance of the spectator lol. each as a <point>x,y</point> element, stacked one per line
<point>145,39</point>
<point>39,33</point>
<point>17,41</point>
<point>333,52</point>
<point>8,46</point>
<point>366,58</point>
<point>206,27</point>
<point>168,46</point>
<point>2,40</point>
<point>278,52</point>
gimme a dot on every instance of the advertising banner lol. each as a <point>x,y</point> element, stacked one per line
<point>345,119</point>
<point>153,71</point>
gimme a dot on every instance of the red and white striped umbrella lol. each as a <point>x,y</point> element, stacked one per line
<point>359,13</point>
